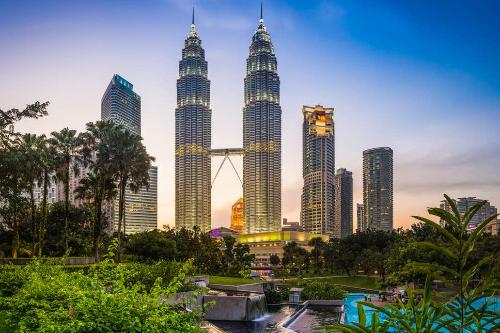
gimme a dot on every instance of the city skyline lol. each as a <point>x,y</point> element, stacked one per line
<point>422,154</point>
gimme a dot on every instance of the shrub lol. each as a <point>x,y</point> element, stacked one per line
<point>315,290</point>
<point>54,300</point>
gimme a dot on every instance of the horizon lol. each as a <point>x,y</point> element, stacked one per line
<point>402,88</point>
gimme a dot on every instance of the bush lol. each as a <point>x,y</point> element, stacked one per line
<point>54,300</point>
<point>276,296</point>
<point>315,290</point>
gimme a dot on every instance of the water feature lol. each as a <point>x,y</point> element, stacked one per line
<point>314,317</point>
<point>235,306</point>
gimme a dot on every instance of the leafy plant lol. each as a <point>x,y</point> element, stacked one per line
<point>315,290</point>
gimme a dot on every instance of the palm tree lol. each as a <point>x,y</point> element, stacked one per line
<point>116,147</point>
<point>30,148</point>
<point>97,188</point>
<point>67,146</point>
<point>47,165</point>
<point>317,250</point>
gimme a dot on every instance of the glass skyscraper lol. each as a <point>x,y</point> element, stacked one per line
<point>122,105</point>
<point>262,136</point>
<point>318,170</point>
<point>378,188</point>
<point>193,118</point>
<point>343,204</point>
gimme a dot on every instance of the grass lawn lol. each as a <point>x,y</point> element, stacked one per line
<point>231,280</point>
<point>351,281</point>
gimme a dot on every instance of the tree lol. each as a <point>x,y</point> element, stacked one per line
<point>10,117</point>
<point>318,246</point>
<point>295,257</point>
<point>97,188</point>
<point>274,260</point>
<point>128,159</point>
<point>151,245</point>
<point>67,146</point>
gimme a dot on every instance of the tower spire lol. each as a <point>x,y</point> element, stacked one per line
<point>192,20</point>
<point>261,16</point>
<point>192,33</point>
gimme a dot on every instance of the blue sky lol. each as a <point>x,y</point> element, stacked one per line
<point>422,77</point>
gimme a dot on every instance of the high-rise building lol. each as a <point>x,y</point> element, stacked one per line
<point>122,105</point>
<point>237,216</point>
<point>343,204</point>
<point>262,136</point>
<point>318,170</point>
<point>378,188</point>
<point>360,213</point>
<point>464,204</point>
<point>193,122</point>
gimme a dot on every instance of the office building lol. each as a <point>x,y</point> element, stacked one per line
<point>237,216</point>
<point>343,204</point>
<point>262,136</point>
<point>464,204</point>
<point>122,105</point>
<point>378,188</point>
<point>318,170</point>
<point>360,213</point>
<point>193,118</point>
<point>291,226</point>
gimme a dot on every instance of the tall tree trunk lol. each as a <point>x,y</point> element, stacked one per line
<point>66,207</point>
<point>97,229</point>
<point>43,221</point>
<point>15,239</point>
<point>121,213</point>
<point>33,219</point>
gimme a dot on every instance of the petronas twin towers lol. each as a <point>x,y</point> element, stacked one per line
<point>261,137</point>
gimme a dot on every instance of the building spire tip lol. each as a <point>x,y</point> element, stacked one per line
<point>192,19</point>
<point>261,15</point>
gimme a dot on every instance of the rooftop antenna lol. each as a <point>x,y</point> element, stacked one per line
<point>192,20</point>
<point>261,16</point>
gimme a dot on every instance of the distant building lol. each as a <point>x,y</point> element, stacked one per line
<point>122,105</point>
<point>343,204</point>
<point>265,244</point>
<point>361,224</point>
<point>318,170</point>
<point>378,188</point>
<point>487,210</point>
<point>51,191</point>
<point>291,226</point>
<point>222,232</point>
<point>77,171</point>
<point>237,216</point>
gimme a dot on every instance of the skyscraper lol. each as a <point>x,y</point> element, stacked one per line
<point>343,204</point>
<point>193,118</point>
<point>487,210</point>
<point>318,170</point>
<point>122,105</point>
<point>262,136</point>
<point>378,188</point>
<point>237,216</point>
<point>360,213</point>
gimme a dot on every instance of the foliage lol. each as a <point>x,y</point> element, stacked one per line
<point>10,117</point>
<point>318,289</point>
<point>277,295</point>
<point>151,246</point>
<point>53,300</point>
<point>274,260</point>
<point>295,258</point>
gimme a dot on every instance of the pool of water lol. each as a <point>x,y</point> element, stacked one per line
<point>314,317</point>
<point>352,316</point>
<point>266,324</point>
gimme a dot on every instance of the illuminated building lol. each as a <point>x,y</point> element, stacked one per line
<point>464,204</point>
<point>122,105</point>
<point>265,244</point>
<point>262,136</point>
<point>193,137</point>
<point>343,204</point>
<point>291,226</point>
<point>318,170</point>
<point>237,216</point>
<point>360,212</point>
<point>378,188</point>
<point>222,232</point>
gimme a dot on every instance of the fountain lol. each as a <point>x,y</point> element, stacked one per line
<point>235,307</point>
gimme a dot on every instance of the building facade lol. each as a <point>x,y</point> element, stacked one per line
<point>378,188</point>
<point>360,214</point>
<point>122,105</point>
<point>318,170</point>
<point>193,127</point>
<point>237,216</point>
<point>343,204</point>
<point>487,210</point>
<point>262,136</point>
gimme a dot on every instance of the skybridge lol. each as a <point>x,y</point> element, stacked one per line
<point>226,153</point>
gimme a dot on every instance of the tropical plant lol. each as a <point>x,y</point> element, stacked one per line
<point>318,245</point>
<point>10,117</point>
<point>97,188</point>
<point>316,290</point>
<point>67,145</point>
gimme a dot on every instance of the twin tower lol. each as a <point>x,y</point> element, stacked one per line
<point>261,137</point>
